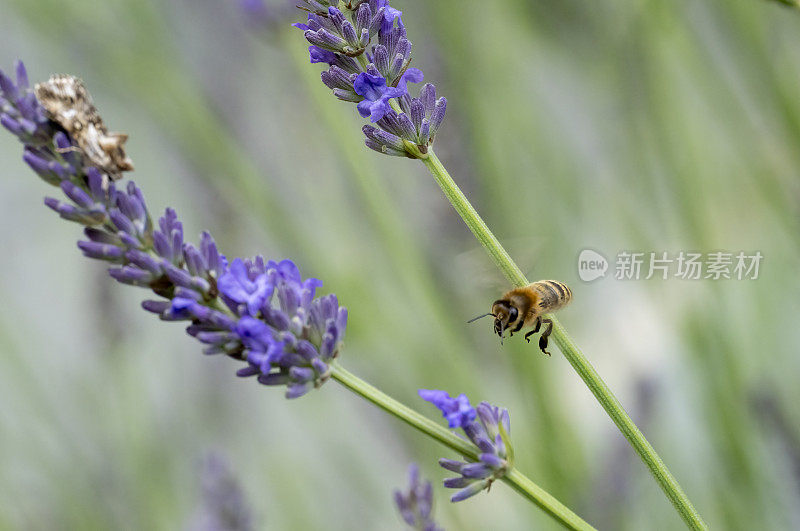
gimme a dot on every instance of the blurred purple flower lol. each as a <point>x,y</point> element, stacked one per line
<point>263,15</point>
<point>416,503</point>
<point>223,505</point>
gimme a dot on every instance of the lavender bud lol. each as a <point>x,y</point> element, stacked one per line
<point>437,116</point>
<point>450,464</point>
<point>214,262</point>
<point>97,184</point>
<point>122,222</point>
<point>102,251</point>
<point>78,196</point>
<point>101,236</point>
<point>427,95</point>
<point>424,133</point>
<point>8,87</point>
<point>347,95</point>
<point>405,126</point>
<point>131,275</point>
<point>326,40</point>
<point>386,150</point>
<point>157,307</point>
<point>41,166</point>
<point>416,503</point>
<point>470,491</point>
<point>335,77</point>
<point>144,261</point>
<point>350,35</point>
<point>384,138</point>
<point>296,390</point>
<point>363,18</point>
<point>12,125</point>
<point>194,260</point>
<point>457,483</point>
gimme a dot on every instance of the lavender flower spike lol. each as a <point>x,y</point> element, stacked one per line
<point>365,44</point>
<point>416,503</point>
<point>490,434</point>
<point>258,311</point>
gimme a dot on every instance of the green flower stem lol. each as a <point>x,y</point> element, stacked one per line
<point>573,354</point>
<point>518,481</point>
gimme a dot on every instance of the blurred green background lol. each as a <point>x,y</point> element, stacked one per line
<point>646,125</point>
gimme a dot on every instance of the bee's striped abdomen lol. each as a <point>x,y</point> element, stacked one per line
<point>554,295</point>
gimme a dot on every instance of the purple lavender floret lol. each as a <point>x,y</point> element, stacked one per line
<point>246,285</point>
<point>490,434</point>
<point>457,411</point>
<point>416,503</point>
<point>365,45</point>
<point>262,312</point>
<point>372,86</point>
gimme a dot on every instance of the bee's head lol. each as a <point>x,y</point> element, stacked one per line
<point>504,315</point>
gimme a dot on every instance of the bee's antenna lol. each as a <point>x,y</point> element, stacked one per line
<point>481,317</point>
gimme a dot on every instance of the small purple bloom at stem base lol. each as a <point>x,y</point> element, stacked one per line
<point>489,434</point>
<point>457,411</point>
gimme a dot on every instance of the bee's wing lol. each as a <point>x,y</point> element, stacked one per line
<point>475,268</point>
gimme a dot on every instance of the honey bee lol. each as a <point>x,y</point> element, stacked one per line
<point>522,307</point>
<point>67,102</point>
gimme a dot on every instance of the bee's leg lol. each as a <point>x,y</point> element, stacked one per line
<point>517,328</point>
<point>535,329</point>
<point>545,335</point>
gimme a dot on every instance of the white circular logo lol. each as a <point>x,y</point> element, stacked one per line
<point>591,265</point>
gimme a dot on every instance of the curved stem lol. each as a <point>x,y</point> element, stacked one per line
<point>513,477</point>
<point>573,354</point>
